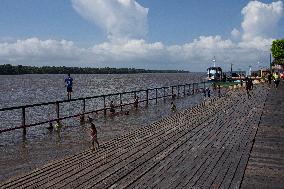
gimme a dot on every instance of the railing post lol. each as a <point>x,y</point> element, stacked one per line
<point>164,93</point>
<point>57,112</point>
<point>193,88</point>
<point>178,90</point>
<point>156,95</point>
<point>147,96</point>
<point>197,87</point>
<point>203,85</point>
<point>120,99</point>
<point>172,90</point>
<point>24,121</point>
<point>82,117</point>
<point>104,104</point>
<point>184,90</point>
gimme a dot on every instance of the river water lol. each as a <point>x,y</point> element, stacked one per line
<point>19,155</point>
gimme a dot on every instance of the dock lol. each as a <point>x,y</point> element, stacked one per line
<point>230,141</point>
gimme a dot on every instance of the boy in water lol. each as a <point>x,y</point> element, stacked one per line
<point>93,133</point>
<point>173,107</point>
<point>136,102</point>
<point>111,105</point>
<point>69,83</point>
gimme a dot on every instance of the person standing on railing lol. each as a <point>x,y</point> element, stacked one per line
<point>69,83</point>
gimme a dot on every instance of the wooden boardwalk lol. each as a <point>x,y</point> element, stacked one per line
<point>265,168</point>
<point>207,146</point>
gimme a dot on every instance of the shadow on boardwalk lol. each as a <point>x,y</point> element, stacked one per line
<point>206,146</point>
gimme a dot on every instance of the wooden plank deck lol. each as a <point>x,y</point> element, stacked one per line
<point>206,146</point>
<point>265,168</point>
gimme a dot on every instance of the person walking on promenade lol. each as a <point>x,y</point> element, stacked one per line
<point>94,134</point>
<point>269,78</point>
<point>69,83</point>
<point>248,86</point>
<point>276,79</point>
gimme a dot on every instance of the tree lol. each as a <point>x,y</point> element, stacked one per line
<point>277,50</point>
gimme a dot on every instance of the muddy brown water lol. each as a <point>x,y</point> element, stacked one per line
<point>40,146</point>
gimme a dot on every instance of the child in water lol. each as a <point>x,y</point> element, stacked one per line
<point>173,107</point>
<point>93,133</point>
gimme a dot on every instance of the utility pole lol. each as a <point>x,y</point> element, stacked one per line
<point>270,65</point>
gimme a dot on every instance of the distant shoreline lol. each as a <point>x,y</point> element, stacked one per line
<point>8,69</point>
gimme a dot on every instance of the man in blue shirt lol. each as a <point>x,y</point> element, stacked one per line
<point>69,82</point>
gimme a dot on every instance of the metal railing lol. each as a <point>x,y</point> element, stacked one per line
<point>175,91</point>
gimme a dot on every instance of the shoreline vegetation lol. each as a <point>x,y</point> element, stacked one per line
<point>8,69</point>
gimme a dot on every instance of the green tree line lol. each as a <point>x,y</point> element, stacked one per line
<point>8,69</point>
<point>277,50</point>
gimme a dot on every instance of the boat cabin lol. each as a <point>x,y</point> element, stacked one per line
<point>214,74</point>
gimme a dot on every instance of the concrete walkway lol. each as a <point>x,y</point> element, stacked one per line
<point>207,146</point>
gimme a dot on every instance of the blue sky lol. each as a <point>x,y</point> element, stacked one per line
<point>154,34</point>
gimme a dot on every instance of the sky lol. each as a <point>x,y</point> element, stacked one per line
<point>148,34</point>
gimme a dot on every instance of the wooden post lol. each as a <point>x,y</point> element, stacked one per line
<point>104,105</point>
<point>24,121</point>
<point>120,99</point>
<point>193,88</point>
<point>172,90</point>
<point>198,87</point>
<point>82,117</point>
<point>57,112</point>
<point>184,90</point>
<point>147,96</point>
<point>164,93</point>
<point>204,85</point>
<point>178,90</point>
<point>156,95</point>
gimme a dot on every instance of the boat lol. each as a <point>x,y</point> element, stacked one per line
<point>214,73</point>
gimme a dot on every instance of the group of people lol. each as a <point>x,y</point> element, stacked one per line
<point>93,130</point>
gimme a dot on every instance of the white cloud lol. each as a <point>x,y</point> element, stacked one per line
<point>118,18</point>
<point>125,53</point>
<point>235,33</point>
<point>34,50</point>
<point>260,19</point>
